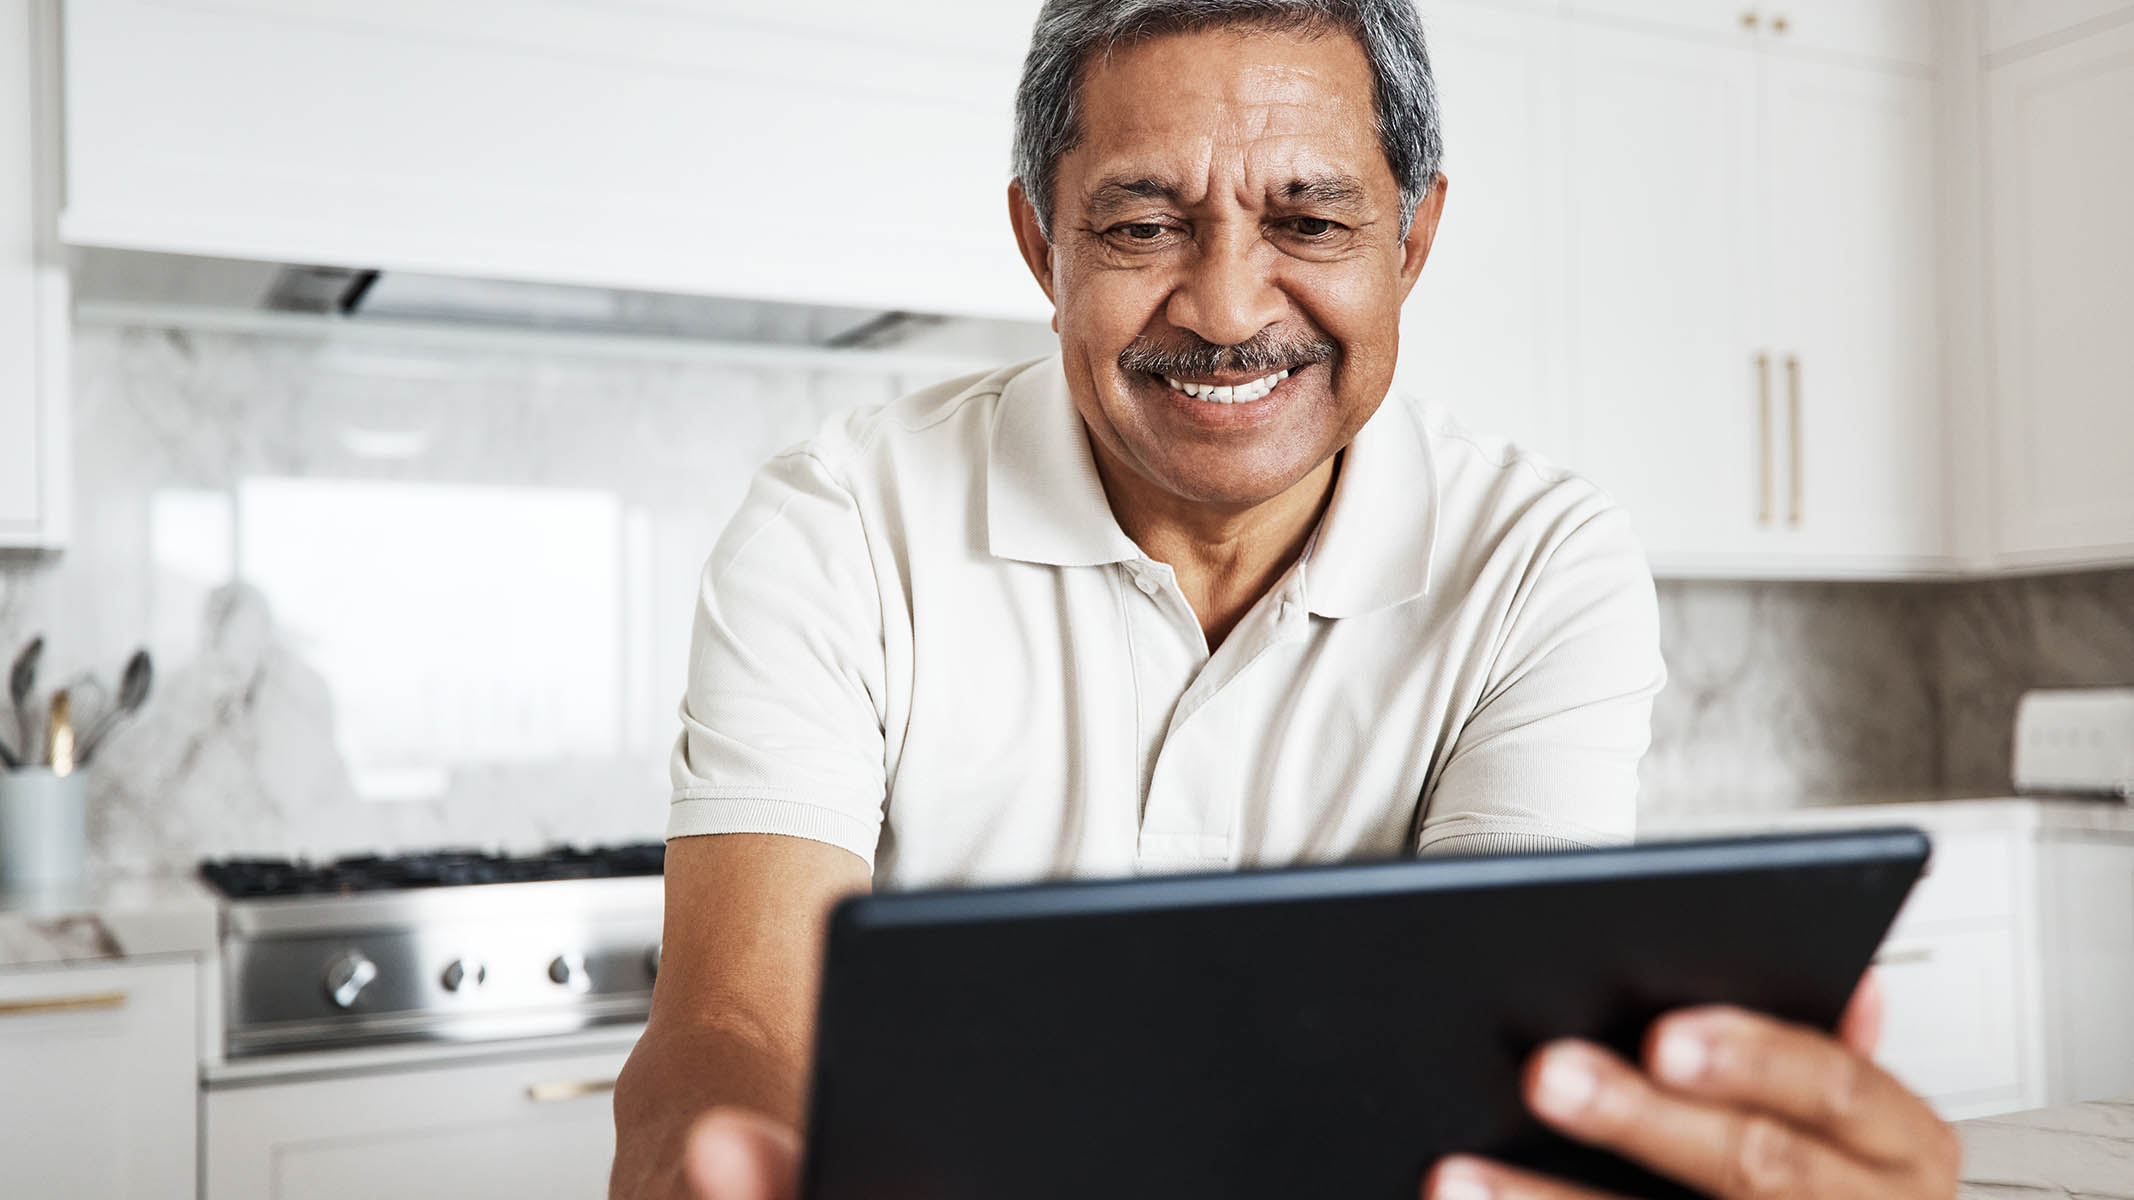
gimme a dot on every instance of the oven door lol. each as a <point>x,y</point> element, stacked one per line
<point>528,1122</point>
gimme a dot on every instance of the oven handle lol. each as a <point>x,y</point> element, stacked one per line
<point>567,1089</point>
<point>54,1004</point>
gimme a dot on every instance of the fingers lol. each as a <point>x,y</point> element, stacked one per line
<point>1861,1026</point>
<point>1715,1148</point>
<point>1463,1178</point>
<point>733,1154</point>
<point>1798,1075</point>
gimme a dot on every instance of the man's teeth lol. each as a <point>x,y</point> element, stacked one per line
<point>1244,393</point>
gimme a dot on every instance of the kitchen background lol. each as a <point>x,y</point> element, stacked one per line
<point>469,571</point>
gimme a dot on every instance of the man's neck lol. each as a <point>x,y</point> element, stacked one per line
<point>1225,556</point>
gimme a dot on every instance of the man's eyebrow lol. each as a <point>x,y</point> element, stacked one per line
<point>1339,191</point>
<point>1114,194</point>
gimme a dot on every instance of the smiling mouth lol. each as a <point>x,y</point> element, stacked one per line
<point>1238,393</point>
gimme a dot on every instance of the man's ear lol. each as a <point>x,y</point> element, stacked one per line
<point>1030,238</point>
<point>1422,231</point>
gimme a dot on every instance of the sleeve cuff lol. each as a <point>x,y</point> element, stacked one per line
<point>694,813</point>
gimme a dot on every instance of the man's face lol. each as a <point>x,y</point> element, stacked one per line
<point>1229,221</point>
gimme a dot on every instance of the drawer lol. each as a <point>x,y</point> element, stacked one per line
<point>1971,877</point>
<point>1950,1027</point>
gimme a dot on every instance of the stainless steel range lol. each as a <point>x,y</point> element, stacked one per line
<point>456,946</point>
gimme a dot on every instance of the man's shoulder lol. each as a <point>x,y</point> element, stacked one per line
<point>1504,506</point>
<point>1486,468</point>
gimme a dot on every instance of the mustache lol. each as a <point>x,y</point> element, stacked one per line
<point>1262,354</point>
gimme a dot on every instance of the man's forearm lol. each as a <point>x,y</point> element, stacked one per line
<point>677,1073</point>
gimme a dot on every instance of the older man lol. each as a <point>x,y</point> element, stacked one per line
<point>1194,593</point>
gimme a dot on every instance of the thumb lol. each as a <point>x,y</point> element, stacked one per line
<point>1861,1026</point>
<point>734,1154</point>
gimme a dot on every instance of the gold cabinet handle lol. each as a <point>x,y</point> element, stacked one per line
<point>567,1089</point>
<point>1764,467</point>
<point>91,1002</point>
<point>1750,21</point>
<point>1779,24</point>
<point>1793,434</point>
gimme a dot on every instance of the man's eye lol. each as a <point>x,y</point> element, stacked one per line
<point>1312,227</point>
<point>1142,231</point>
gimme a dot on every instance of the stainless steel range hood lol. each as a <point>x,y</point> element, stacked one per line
<point>117,285</point>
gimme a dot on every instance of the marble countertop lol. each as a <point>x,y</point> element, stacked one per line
<point>2075,1150</point>
<point>106,919</point>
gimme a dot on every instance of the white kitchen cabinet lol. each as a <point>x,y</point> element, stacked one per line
<point>1754,333</point>
<point>2060,153</point>
<point>1661,283</point>
<point>833,153</point>
<point>98,1071</point>
<point>33,286</point>
<point>1894,30</point>
<point>1482,333</point>
<point>2009,973</point>
<point>2012,25</point>
<point>2088,929</point>
<point>1850,204</point>
<point>527,1127</point>
<point>1953,988</point>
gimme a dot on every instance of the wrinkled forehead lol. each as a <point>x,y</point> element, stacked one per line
<point>1256,114</point>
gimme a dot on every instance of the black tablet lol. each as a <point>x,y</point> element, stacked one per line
<point>1314,1032</point>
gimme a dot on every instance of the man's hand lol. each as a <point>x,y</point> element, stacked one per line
<point>734,1154</point>
<point>1736,1105</point>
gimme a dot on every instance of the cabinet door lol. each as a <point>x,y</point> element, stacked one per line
<point>1661,286</point>
<point>1949,1026</point>
<point>1482,333</point>
<point>32,286</point>
<point>1851,203</point>
<point>2088,930</point>
<point>2061,166</point>
<point>527,1128</point>
<point>2010,23</point>
<point>98,1070</point>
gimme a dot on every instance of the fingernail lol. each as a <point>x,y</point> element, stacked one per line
<point>1567,1084</point>
<point>1682,1056</point>
<point>1459,1181</point>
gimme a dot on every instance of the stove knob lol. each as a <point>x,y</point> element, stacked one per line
<point>569,970</point>
<point>465,974</point>
<point>347,976</point>
<point>652,961</point>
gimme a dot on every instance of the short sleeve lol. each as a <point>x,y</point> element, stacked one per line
<point>1549,757</point>
<point>782,717</point>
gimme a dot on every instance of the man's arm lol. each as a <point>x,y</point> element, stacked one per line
<point>1548,759</point>
<point>779,781</point>
<point>733,1010</point>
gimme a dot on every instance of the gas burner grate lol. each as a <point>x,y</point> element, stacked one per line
<point>248,878</point>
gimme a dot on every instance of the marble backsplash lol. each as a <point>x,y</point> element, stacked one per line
<point>467,571</point>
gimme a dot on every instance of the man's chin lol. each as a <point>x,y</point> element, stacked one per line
<point>1224,485</point>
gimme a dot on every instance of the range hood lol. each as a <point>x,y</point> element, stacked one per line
<point>150,286</point>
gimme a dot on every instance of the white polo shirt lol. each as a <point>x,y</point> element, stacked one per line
<point>925,639</point>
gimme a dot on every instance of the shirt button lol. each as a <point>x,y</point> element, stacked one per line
<point>1147,585</point>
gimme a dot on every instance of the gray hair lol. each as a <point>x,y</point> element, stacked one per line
<point>1071,32</point>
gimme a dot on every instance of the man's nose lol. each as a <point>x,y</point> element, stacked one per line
<point>1227,294</point>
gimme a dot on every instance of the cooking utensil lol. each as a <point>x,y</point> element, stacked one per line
<point>59,736</point>
<point>133,692</point>
<point>21,678</point>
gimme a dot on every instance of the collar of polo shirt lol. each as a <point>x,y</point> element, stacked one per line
<point>1045,502</point>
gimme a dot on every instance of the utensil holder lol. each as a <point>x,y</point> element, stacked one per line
<point>44,829</point>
